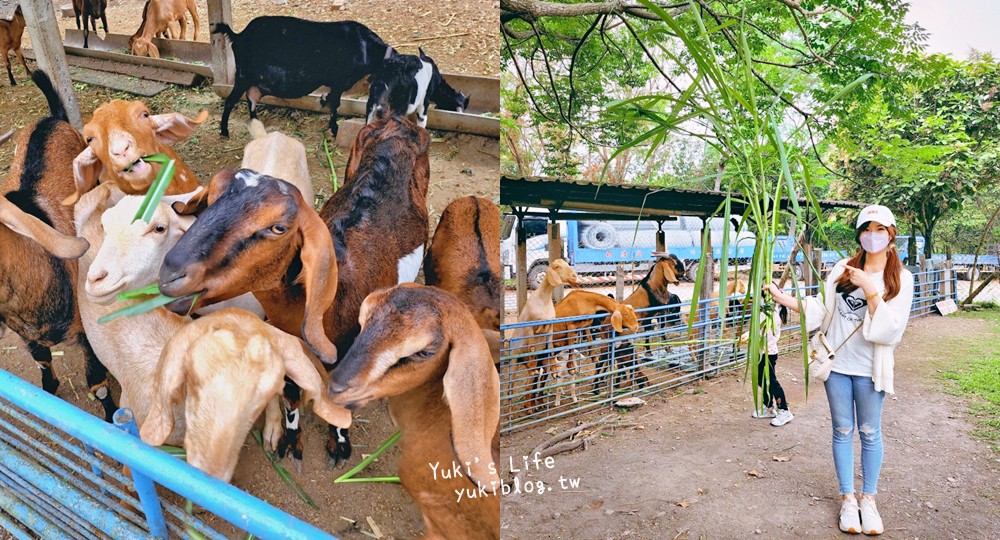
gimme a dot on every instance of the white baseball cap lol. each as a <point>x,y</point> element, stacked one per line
<point>876,213</point>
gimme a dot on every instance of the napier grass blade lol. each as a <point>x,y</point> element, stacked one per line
<point>349,475</point>
<point>157,188</point>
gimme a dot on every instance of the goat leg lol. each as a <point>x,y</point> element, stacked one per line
<point>272,424</point>
<point>291,443</point>
<point>27,72</point>
<point>338,447</point>
<point>43,356</point>
<point>104,21</point>
<point>97,379</point>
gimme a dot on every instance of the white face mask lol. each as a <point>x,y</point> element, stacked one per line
<point>874,242</point>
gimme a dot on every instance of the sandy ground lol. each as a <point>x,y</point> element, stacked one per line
<point>697,466</point>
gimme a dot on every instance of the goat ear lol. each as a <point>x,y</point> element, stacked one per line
<point>306,374</point>
<point>472,391</point>
<point>86,171</point>
<point>553,277</point>
<point>171,371</point>
<point>357,150</point>
<point>172,128</point>
<point>319,275</point>
<point>54,242</point>
<point>201,198</point>
<point>616,321</point>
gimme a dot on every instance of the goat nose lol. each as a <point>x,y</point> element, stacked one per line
<point>121,148</point>
<point>95,277</point>
<point>337,387</point>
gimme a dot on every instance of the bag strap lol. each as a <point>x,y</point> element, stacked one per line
<point>849,337</point>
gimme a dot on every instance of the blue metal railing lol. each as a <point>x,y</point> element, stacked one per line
<point>52,487</point>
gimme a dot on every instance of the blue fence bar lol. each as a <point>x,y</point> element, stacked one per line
<point>59,498</point>
<point>125,421</point>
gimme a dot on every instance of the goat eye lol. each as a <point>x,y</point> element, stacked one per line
<point>89,140</point>
<point>279,229</point>
<point>160,229</point>
<point>145,114</point>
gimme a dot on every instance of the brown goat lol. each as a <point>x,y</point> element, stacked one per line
<point>464,259</point>
<point>419,348</point>
<point>158,18</point>
<point>37,289</point>
<point>10,40</point>
<point>653,289</point>
<point>91,10</point>
<point>378,223</point>
<point>119,135</point>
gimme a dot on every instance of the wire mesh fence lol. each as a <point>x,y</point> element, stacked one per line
<point>564,367</point>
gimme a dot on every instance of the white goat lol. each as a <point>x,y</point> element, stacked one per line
<point>127,256</point>
<point>280,156</point>
<point>226,368</point>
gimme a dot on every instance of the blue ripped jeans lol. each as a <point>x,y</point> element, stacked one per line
<point>847,394</point>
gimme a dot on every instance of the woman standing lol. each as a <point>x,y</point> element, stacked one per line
<point>864,313</point>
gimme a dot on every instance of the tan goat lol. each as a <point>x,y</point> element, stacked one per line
<point>226,367</point>
<point>159,18</point>
<point>278,155</point>
<point>420,348</point>
<point>539,307</point>
<point>119,135</point>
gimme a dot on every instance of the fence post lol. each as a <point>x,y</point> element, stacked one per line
<point>125,421</point>
<point>612,363</point>
<point>521,262</point>
<point>555,252</point>
<point>619,282</point>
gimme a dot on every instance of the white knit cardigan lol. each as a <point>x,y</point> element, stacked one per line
<point>883,330</point>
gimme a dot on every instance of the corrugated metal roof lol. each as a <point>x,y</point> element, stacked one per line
<point>623,200</point>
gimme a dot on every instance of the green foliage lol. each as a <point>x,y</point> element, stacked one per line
<point>924,147</point>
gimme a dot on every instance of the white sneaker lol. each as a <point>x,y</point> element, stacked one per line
<point>871,522</point>
<point>783,417</point>
<point>850,520</point>
<point>763,413</point>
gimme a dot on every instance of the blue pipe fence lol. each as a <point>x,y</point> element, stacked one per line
<point>563,367</point>
<point>62,477</point>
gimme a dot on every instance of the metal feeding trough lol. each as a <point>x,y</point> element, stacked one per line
<point>194,57</point>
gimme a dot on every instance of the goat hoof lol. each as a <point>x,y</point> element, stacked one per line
<point>291,444</point>
<point>298,465</point>
<point>338,448</point>
<point>51,386</point>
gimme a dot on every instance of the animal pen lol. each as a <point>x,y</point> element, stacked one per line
<point>664,353</point>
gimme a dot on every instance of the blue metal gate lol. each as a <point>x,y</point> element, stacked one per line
<point>62,477</point>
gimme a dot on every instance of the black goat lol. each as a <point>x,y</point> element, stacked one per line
<point>289,58</point>
<point>92,10</point>
<point>407,84</point>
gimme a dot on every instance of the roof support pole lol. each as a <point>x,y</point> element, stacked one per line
<point>521,260</point>
<point>707,282</point>
<point>555,252</point>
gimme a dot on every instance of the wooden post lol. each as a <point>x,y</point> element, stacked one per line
<point>807,257</point>
<point>619,282</point>
<point>661,237</point>
<point>521,262</point>
<point>555,252</point>
<point>46,39</point>
<point>818,264</point>
<point>223,64</point>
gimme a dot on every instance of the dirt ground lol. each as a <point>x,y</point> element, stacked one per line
<point>697,466</point>
<point>460,165</point>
